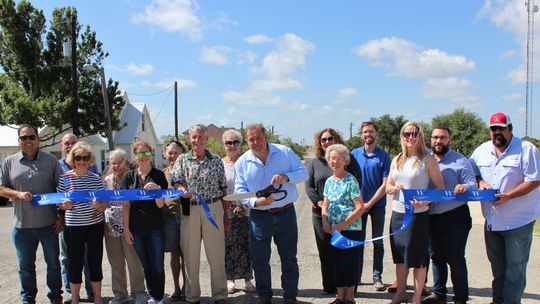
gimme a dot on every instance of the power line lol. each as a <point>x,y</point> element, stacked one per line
<point>154,93</point>
<point>162,105</point>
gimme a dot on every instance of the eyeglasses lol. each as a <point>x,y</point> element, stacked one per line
<point>411,134</point>
<point>232,142</point>
<point>144,153</point>
<point>497,128</point>
<point>441,138</point>
<point>327,139</point>
<point>27,137</point>
<point>85,158</point>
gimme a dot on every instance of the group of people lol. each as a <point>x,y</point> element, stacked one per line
<point>346,189</point>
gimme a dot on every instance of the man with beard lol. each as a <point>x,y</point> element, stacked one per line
<point>449,222</point>
<point>511,165</point>
<point>375,165</point>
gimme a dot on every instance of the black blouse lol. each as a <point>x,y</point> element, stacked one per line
<point>319,171</point>
<point>144,215</point>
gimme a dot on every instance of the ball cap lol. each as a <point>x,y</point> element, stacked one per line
<point>500,119</point>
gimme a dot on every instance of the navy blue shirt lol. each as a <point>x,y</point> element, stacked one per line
<point>374,167</point>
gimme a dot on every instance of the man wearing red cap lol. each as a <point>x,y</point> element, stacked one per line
<point>511,165</point>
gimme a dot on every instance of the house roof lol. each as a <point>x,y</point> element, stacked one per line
<point>131,115</point>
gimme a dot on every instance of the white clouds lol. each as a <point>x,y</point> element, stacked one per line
<point>215,55</point>
<point>512,97</point>
<point>257,39</point>
<point>173,16</point>
<point>166,83</point>
<point>140,69</point>
<point>506,55</point>
<point>345,93</point>
<point>438,69</point>
<point>511,16</point>
<point>405,58</point>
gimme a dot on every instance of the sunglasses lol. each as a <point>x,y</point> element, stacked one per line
<point>85,158</point>
<point>327,139</point>
<point>232,142</point>
<point>145,153</point>
<point>411,134</point>
<point>27,137</point>
<point>497,128</point>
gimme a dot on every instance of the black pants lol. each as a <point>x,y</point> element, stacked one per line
<point>345,261</point>
<point>78,238</point>
<point>325,252</point>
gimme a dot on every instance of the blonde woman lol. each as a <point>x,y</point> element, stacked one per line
<point>413,168</point>
<point>84,221</point>
<point>119,252</point>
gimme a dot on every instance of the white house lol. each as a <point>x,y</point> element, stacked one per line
<point>138,125</point>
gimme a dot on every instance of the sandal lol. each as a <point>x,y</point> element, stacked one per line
<point>230,287</point>
<point>249,287</point>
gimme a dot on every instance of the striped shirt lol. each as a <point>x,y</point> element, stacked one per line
<point>82,214</point>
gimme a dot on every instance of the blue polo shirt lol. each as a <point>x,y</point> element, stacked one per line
<point>374,167</point>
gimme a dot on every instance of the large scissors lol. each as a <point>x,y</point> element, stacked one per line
<point>266,192</point>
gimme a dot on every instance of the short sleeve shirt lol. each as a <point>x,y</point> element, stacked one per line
<point>38,176</point>
<point>340,194</point>
<point>206,178</point>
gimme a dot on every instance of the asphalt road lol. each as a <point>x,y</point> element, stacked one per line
<point>310,278</point>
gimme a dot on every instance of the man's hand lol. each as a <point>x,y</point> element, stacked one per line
<point>66,205</point>
<point>226,223</point>
<point>482,185</point>
<point>503,198</point>
<point>279,179</point>
<point>419,204</point>
<point>264,201</point>
<point>25,196</point>
<point>59,225</point>
<point>460,188</point>
<point>185,190</point>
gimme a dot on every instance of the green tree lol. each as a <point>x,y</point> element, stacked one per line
<point>354,142</point>
<point>35,86</point>
<point>468,130</point>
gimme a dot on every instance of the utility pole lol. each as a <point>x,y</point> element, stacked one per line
<point>74,78</point>
<point>350,129</point>
<point>531,9</point>
<point>176,110</point>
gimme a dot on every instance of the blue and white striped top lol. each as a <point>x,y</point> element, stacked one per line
<point>82,214</point>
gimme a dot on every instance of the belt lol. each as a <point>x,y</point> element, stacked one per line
<point>451,211</point>
<point>196,202</point>
<point>279,209</point>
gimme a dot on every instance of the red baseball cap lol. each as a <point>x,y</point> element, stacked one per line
<point>500,119</point>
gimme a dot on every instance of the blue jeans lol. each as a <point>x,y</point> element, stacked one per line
<point>26,242</point>
<point>448,234</point>
<point>64,262</point>
<point>508,251</point>
<point>283,228</point>
<point>150,249</point>
<point>377,229</point>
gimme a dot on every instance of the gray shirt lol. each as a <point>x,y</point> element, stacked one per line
<point>38,175</point>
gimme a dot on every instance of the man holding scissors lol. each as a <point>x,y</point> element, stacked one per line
<point>273,216</point>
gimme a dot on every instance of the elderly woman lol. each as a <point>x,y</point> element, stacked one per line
<point>143,219</point>
<point>319,171</point>
<point>119,251</point>
<point>171,218</point>
<point>413,168</point>
<point>237,252</point>
<point>84,221</point>
<point>342,209</point>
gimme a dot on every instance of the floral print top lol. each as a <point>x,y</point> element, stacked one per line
<point>340,194</point>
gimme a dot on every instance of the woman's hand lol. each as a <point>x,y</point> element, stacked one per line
<point>326,226</point>
<point>66,205</point>
<point>238,210</point>
<point>151,186</point>
<point>419,204</point>
<point>128,236</point>
<point>397,187</point>
<point>339,227</point>
<point>99,206</point>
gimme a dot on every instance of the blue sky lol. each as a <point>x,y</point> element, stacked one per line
<point>301,66</point>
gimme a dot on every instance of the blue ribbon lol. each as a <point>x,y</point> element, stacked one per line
<point>435,196</point>
<point>114,196</point>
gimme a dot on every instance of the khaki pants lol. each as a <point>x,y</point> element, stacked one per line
<point>193,229</point>
<point>119,253</point>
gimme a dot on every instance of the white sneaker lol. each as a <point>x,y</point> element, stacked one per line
<point>230,286</point>
<point>151,301</point>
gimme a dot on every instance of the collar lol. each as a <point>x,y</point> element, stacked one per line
<point>20,155</point>
<point>207,155</point>
<point>364,151</point>
<point>444,156</point>
<point>271,149</point>
<point>494,150</point>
